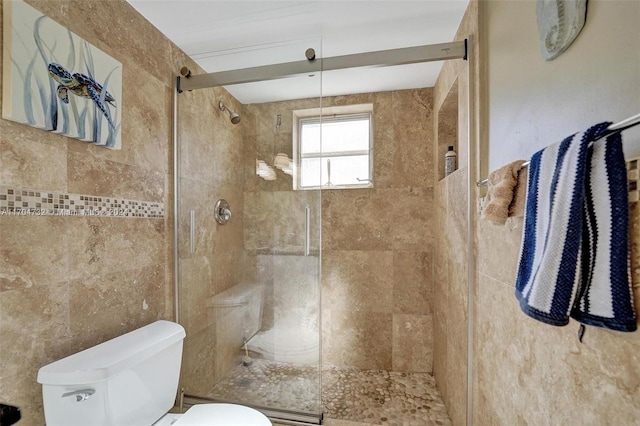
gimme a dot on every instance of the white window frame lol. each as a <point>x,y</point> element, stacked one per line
<point>320,115</point>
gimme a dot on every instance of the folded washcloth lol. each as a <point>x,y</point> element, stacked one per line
<point>500,194</point>
<point>516,208</point>
<point>574,259</point>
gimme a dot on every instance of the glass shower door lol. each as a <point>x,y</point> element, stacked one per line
<point>249,289</point>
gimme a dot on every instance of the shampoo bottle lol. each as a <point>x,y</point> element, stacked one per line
<point>450,161</point>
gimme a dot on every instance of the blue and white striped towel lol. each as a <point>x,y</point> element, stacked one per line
<point>574,259</point>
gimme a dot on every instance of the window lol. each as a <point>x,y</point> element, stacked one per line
<point>334,150</point>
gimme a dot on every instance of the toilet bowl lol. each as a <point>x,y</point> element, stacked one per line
<point>130,380</point>
<point>215,414</point>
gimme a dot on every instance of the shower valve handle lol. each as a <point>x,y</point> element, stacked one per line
<point>222,212</point>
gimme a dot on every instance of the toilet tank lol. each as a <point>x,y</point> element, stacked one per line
<point>129,380</point>
<point>247,299</point>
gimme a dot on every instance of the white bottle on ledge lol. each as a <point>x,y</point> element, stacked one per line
<point>450,161</point>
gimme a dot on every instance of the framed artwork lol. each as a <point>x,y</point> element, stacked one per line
<point>56,81</point>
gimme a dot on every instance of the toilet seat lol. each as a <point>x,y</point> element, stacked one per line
<point>222,415</point>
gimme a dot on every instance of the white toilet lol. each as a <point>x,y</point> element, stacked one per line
<point>131,380</point>
<point>287,340</point>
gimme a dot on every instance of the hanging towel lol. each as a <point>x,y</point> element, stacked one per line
<point>500,194</point>
<point>516,208</point>
<point>574,259</point>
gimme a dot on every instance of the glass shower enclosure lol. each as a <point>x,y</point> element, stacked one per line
<point>248,267</point>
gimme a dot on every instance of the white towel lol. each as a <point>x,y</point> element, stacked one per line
<point>574,259</point>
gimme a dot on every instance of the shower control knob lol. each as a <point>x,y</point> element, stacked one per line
<point>222,212</point>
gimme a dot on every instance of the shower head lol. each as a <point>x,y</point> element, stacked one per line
<point>234,117</point>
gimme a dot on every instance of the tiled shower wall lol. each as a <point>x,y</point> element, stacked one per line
<point>377,244</point>
<point>210,168</point>
<point>451,260</point>
<point>70,281</point>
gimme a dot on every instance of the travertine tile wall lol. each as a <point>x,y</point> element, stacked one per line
<point>451,260</point>
<point>67,283</point>
<point>210,168</point>
<point>547,376</point>
<point>377,244</point>
<point>377,268</point>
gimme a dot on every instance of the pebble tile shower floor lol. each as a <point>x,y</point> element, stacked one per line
<point>369,397</point>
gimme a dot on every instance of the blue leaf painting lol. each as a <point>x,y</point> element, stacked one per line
<point>58,81</point>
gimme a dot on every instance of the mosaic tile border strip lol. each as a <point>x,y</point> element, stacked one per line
<point>633,177</point>
<point>29,202</point>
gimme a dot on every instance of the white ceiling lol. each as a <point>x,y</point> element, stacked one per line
<point>227,35</point>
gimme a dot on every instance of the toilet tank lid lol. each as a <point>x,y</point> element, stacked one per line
<point>107,359</point>
<point>237,295</point>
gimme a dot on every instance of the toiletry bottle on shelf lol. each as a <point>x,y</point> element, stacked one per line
<point>450,161</point>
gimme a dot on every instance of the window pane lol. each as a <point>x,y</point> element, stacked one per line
<point>344,170</point>
<point>343,135</point>
<point>310,138</point>
<point>337,136</point>
<point>310,172</point>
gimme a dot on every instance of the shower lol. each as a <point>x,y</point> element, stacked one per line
<point>233,116</point>
<point>249,294</point>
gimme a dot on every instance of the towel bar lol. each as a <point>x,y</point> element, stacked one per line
<point>484,182</point>
<point>619,126</point>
